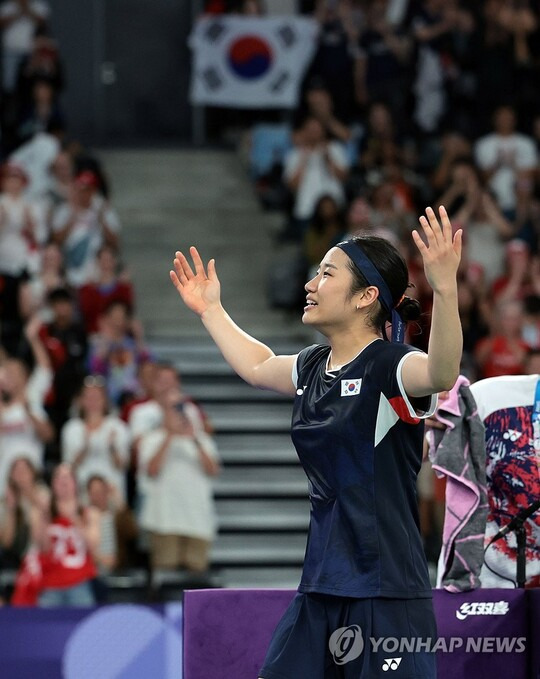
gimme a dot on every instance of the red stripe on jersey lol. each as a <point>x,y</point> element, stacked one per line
<point>399,405</point>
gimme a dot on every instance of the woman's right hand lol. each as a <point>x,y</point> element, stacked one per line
<point>200,291</point>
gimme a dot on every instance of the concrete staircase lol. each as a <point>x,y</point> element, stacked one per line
<point>170,200</point>
<point>261,496</point>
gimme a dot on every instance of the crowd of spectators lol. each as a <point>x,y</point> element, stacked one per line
<point>409,103</point>
<point>104,463</point>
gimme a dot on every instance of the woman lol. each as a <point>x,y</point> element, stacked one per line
<point>17,226</point>
<point>327,228</point>
<point>110,285</point>
<point>503,351</point>
<point>50,276</point>
<point>117,350</point>
<point>176,464</point>
<point>66,537</point>
<point>355,427</point>
<point>24,492</point>
<point>473,208</point>
<point>95,442</point>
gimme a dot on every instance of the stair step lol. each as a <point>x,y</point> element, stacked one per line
<point>269,448</point>
<point>212,390</point>
<point>279,549</point>
<point>215,204</point>
<point>249,417</point>
<point>261,481</point>
<point>262,515</point>
<point>196,346</point>
<point>260,578</point>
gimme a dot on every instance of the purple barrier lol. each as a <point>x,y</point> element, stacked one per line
<point>111,642</point>
<point>533,596</point>
<point>493,628</point>
<point>20,628</point>
<point>227,631</point>
<point>482,634</point>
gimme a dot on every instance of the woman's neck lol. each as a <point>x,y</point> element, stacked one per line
<point>94,420</point>
<point>346,345</point>
<point>107,277</point>
<point>67,507</point>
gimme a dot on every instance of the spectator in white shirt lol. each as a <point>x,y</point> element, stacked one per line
<point>314,167</point>
<point>82,226</point>
<point>24,425</point>
<point>36,156</point>
<point>19,21</point>
<point>178,510</point>
<point>148,416</point>
<point>95,442</point>
<point>16,223</point>
<point>506,156</point>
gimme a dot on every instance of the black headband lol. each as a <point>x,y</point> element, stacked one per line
<point>370,272</point>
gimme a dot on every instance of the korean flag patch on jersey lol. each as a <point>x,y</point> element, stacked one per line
<point>350,387</point>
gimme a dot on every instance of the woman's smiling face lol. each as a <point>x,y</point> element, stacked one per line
<point>329,300</point>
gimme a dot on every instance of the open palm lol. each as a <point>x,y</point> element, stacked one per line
<point>442,253</point>
<point>199,290</point>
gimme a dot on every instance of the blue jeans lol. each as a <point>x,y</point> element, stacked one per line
<point>78,595</point>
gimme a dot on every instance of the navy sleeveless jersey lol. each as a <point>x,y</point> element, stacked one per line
<point>360,439</point>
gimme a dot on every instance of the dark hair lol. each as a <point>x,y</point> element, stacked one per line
<point>113,303</point>
<point>532,304</point>
<point>392,267</point>
<point>468,161</point>
<point>59,295</point>
<point>318,223</point>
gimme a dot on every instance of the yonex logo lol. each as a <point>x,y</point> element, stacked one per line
<point>391,664</point>
<point>512,434</point>
<point>346,644</point>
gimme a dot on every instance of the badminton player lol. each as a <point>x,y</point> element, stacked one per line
<point>357,426</point>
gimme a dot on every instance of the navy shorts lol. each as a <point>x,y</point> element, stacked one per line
<point>329,637</point>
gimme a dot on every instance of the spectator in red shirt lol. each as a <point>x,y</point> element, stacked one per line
<point>522,276</point>
<point>67,536</point>
<point>504,351</point>
<point>94,298</point>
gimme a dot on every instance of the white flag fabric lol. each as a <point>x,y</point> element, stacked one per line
<point>250,62</point>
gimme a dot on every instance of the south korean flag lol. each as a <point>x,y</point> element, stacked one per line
<point>350,387</point>
<point>250,62</point>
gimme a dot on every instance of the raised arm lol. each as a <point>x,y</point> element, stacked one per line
<point>252,360</point>
<point>438,371</point>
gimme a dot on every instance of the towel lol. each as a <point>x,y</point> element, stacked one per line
<point>459,453</point>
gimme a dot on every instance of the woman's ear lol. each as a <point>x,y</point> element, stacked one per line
<point>366,297</point>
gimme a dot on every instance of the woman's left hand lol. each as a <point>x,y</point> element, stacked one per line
<point>442,254</point>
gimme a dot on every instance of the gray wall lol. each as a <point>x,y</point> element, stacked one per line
<point>127,69</point>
